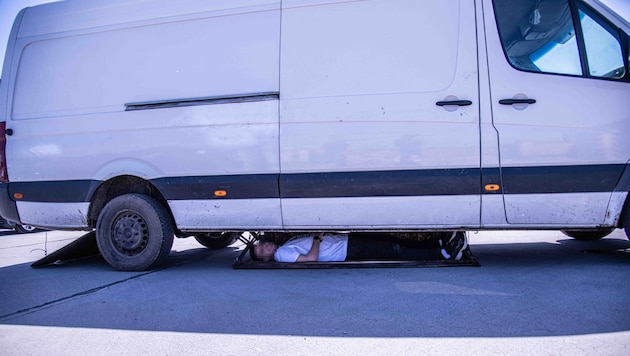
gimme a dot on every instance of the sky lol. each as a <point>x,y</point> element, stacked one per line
<point>10,8</point>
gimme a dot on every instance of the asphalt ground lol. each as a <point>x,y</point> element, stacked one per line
<point>534,293</point>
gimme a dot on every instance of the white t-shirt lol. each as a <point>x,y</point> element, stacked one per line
<point>334,247</point>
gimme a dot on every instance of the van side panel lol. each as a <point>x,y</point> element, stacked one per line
<point>100,72</point>
<point>74,15</point>
<point>73,88</point>
<point>363,143</point>
<point>57,215</point>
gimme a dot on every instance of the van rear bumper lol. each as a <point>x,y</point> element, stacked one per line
<point>8,207</point>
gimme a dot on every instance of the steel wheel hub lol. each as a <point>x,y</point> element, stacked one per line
<point>130,234</point>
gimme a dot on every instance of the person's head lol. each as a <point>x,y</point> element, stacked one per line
<point>263,251</point>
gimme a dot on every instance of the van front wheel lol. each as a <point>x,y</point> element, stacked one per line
<point>626,220</point>
<point>134,232</point>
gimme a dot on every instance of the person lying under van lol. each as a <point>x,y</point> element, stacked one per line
<point>330,247</point>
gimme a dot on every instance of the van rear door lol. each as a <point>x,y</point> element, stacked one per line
<point>379,114</point>
<point>559,86</point>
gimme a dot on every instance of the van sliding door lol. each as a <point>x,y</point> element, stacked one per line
<point>379,114</point>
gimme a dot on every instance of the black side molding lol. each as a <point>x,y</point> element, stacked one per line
<point>210,100</point>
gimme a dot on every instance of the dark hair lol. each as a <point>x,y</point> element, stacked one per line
<point>252,252</point>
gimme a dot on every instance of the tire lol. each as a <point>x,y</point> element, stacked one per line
<point>217,240</point>
<point>588,235</point>
<point>25,229</point>
<point>134,232</point>
<point>626,220</point>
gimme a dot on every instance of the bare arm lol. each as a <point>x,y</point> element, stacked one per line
<point>312,254</point>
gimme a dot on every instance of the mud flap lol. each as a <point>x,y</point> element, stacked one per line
<point>84,246</point>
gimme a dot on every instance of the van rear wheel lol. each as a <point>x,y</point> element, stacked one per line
<point>588,235</point>
<point>134,232</point>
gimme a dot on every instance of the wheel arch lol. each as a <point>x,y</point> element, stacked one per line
<point>120,185</point>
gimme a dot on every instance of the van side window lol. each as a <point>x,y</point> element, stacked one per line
<point>542,36</point>
<point>603,51</point>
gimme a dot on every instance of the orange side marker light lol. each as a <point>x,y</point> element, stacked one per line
<point>220,193</point>
<point>492,187</point>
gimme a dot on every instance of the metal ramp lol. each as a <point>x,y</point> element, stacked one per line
<point>84,246</point>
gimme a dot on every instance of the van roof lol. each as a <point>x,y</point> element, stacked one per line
<point>73,15</point>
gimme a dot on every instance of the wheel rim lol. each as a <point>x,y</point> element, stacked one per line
<point>28,228</point>
<point>130,234</point>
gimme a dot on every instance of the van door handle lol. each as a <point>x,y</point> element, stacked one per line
<point>454,102</point>
<point>516,101</point>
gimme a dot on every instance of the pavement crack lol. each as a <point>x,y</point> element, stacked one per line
<point>75,295</point>
<point>35,308</point>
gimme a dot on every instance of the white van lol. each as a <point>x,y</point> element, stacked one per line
<point>146,119</point>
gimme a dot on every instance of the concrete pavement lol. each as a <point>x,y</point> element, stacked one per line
<point>535,293</point>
